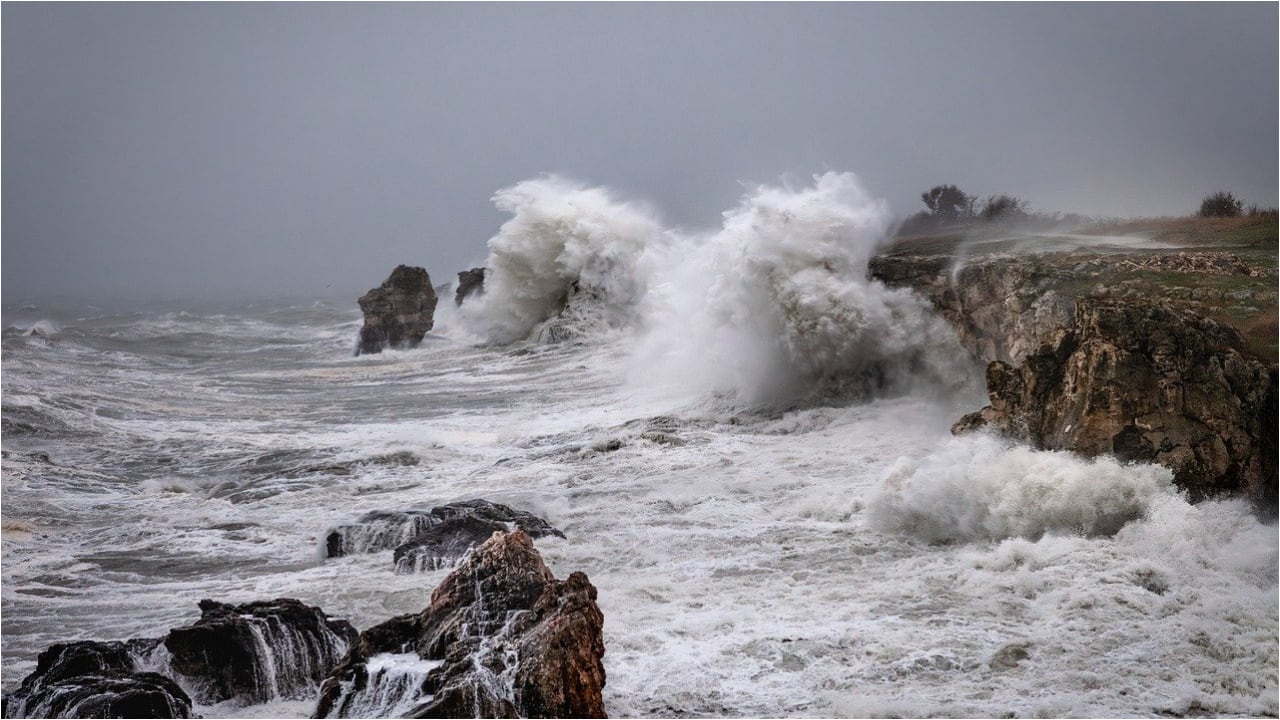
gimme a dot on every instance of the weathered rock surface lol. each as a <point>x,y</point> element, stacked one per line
<point>257,652</point>
<point>1145,381</point>
<point>97,680</point>
<point>1002,308</point>
<point>398,313</point>
<point>469,281</point>
<point>253,653</point>
<point>501,638</point>
<point>435,538</point>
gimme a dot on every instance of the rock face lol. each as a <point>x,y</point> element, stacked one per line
<point>398,313</point>
<point>501,638</point>
<point>435,538</point>
<point>1002,308</point>
<point>258,652</point>
<point>469,281</point>
<point>97,680</point>
<point>1145,381</point>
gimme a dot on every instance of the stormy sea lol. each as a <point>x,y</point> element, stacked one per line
<point>744,440</point>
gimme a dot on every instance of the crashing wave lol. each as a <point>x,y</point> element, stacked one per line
<point>777,304</point>
<point>980,488</point>
<point>570,253</point>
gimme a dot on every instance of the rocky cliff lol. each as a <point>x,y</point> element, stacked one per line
<point>1087,353</point>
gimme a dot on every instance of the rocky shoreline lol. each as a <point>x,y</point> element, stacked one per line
<point>502,637</point>
<point>1078,359</point>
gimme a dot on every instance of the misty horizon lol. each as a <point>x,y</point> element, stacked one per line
<point>232,151</point>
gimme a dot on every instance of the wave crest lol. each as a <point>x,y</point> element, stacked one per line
<point>978,487</point>
<point>566,245</point>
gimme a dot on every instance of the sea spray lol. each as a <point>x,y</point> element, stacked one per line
<point>979,487</point>
<point>777,305</point>
<point>564,242</point>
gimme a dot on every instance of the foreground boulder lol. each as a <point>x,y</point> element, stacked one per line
<point>1145,381</point>
<point>257,652</point>
<point>435,538</point>
<point>469,281</point>
<point>398,313</point>
<point>97,680</point>
<point>501,638</point>
<point>252,653</point>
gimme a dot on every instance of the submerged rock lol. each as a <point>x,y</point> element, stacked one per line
<point>469,281</point>
<point>97,680</point>
<point>435,538</point>
<point>1145,381</point>
<point>257,652</point>
<point>398,313</point>
<point>501,638</point>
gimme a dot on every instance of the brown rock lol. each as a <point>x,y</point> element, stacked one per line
<point>398,313</point>
<point>501,638</point>
<point>1145,381</point>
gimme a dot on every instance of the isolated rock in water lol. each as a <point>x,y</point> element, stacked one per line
<point>1145,381</point>
<point>97,680</point>
<point>469,281</point>
<point>502,638</point>
<point>258,652</point>
<point>398,313</point>
<point>383,530</point>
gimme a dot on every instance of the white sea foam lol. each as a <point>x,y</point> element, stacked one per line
<point>565,241</point>
<point>981,487</point>
<point>778,301</point>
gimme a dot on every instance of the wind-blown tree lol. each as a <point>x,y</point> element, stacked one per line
<point>1003,207</point>
<point>1221,204</point>
<point>948,202</point>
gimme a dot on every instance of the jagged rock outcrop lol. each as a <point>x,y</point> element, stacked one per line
<point>1002,308</point>
<point>1145,381</point>
<point>97,680</point>
<point>257,652</point>
<point>469,281</point>
<point>501,638</point>
<point>398,313</point>
<point>252,653</point>
<point>435,538</point>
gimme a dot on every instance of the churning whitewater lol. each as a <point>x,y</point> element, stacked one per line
<point>744,439</point>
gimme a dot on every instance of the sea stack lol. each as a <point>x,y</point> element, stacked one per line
<point>398,313</point>
<point>469,281</point>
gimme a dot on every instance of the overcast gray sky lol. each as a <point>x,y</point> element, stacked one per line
<point>219,149</point>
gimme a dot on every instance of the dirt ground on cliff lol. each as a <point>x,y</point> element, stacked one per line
<point>1223,268</point>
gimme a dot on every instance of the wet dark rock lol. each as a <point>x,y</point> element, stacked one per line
<point>1008,657</point>
<point>1149,382</point>
<point>469,282</point>
<point>437,537</point>
<point>502,638</point>
<point>398,313</point>
<point>97,680</point>
<point>257,652</point>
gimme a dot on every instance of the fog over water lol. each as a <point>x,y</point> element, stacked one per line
<point>220,150</point>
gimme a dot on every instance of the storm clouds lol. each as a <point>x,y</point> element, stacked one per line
<point>221,150</point>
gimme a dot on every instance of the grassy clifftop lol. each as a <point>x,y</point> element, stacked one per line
<point>1223,268</point>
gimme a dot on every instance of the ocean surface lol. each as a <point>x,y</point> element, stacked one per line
<point>776,515</point>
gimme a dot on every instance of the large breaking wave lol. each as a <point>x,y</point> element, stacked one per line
<point>568,249</point>
<point>774,304</point>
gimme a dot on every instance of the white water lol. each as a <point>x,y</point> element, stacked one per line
<point>758,550</point>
